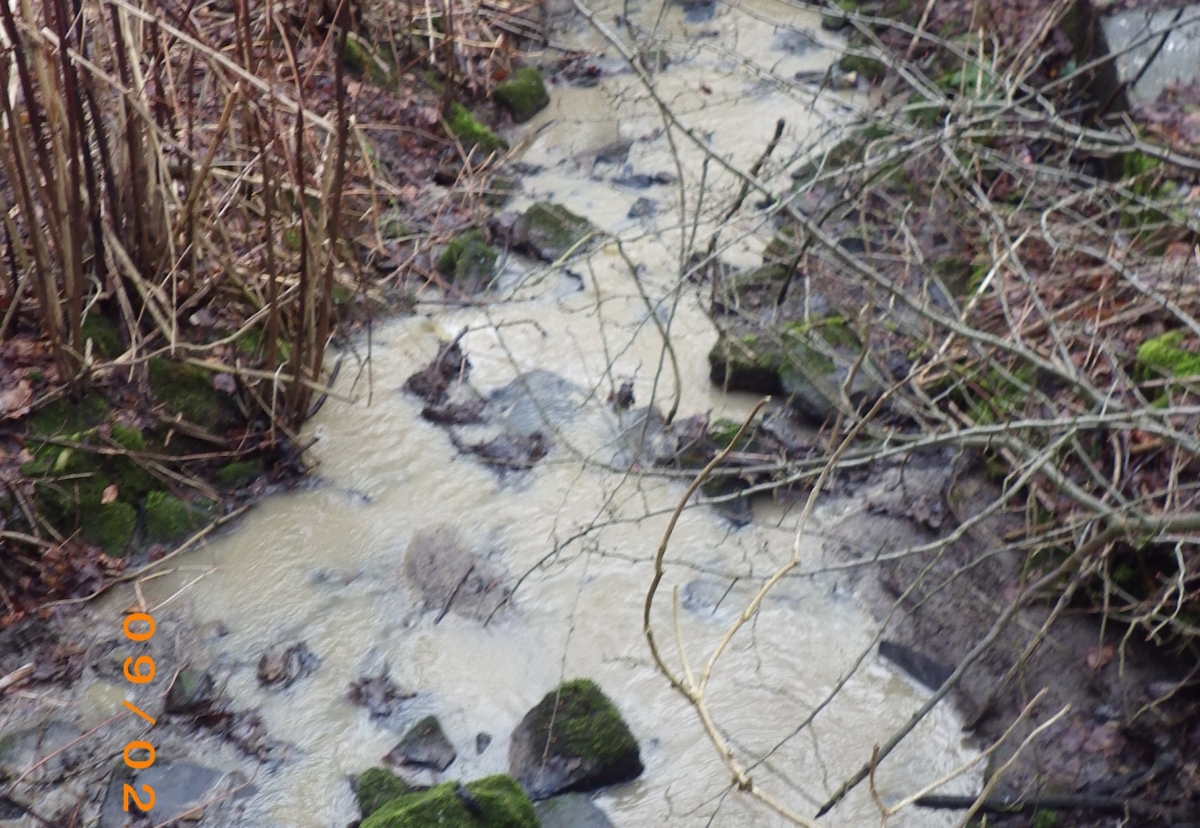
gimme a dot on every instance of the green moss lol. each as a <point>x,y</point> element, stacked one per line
<point>69,417</point>
<point>464,126</point>
<point>524,94</point>
<point>188,390</point>
<point>252,344</point>
<point>588,722</point>
<point>377,787</point>
<point>468,258</point>
<point>129,438</point>
<point>169,518</point>
<point>1045,819</point>
<point>870,68</point>
<point>238,474</point>
<point>1162,355</point>
<point>105,340</point>
<point>500,803</point>
<point>365,61</point>
<point>552,230</point>
<point>745,363</point>
<point>722,432</point>
<point>111,527</point>
<point>499,189</point>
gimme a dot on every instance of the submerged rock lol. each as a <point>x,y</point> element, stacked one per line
<point>180,791</point>
<point>574,739</point>
<point>494,802</point>
<point>571,810</point>
<point>379,694</point>
<point>424,745</point>
<point>376,787</point>
<point>524,94</point>
<point>450,577</point>
<point>511,451</point>
<point>284,667</point>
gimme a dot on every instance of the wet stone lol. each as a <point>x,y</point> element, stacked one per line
<point>482,742</point>
<point>281,668</point>
<point>643,208</point>
<point>193,690</point>
<point>43,748</point>
<point>574,739</point>
<point>180,790</point>
<point>424,745</point>
<point>922,668</point>
<point>570,811</point>
<point>794,42</point>
<point>380,695</point>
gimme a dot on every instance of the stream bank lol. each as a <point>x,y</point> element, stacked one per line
<point>348,585</point>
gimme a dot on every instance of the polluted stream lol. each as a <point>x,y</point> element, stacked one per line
<point>332,563</point>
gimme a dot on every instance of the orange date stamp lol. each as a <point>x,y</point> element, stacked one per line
<point>139,755</point>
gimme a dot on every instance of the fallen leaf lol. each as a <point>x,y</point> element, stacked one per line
<point>109,495</point>
<point>14,402</point>
<point>225,383</point>
<point>1097,657</point>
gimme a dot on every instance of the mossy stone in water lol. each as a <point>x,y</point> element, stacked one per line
<point>377,787</point>
<point>550,231</point>
<point>492,802</point>
<point>574,739</point>
<point>524,94</point>
<point>466,127</point>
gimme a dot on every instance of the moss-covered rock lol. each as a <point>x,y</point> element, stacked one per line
<point>524,94</point>
<point>574,739</point>
<point>168,518</point>
<point>746,363</point>
<point>187,390</point>
<point>376,787</point>
<point>468,260</point>
<point>192,691</point>
<point>466,127</point>
<point>492,802</point>
<point>549,231</point>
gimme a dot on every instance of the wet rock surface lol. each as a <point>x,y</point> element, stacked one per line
<point>181,790</point>
<point>570,811</point>
<point>574,739</point>
<point>494,801</point>
<point>194,690</point>
<point>381,696</point>
<point>450,577</point>
<point>283,666</point>
<point>424,745</point>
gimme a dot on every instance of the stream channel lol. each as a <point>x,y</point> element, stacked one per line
<point>325,564</point>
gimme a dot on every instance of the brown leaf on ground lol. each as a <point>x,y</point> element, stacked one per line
<point>14,401</point>
<point>1097,657</point>
<point>109,495</point>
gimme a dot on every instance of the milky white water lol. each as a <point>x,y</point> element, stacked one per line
<point>324,564</point>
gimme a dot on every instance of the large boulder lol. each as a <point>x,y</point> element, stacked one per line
<point>574,739</point>
<point>494,802</point>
